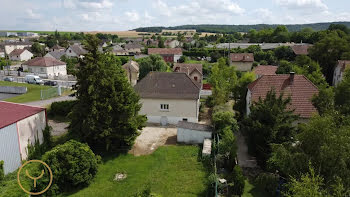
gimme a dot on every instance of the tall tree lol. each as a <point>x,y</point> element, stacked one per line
<point>106,113</point>
<point>151,63</point>
<point>342,94</point>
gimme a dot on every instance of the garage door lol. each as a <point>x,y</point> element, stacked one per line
<point>9,148</point>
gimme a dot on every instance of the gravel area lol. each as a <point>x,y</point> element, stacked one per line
<point>244,159</point>
<point>152,137</point>
<point>58,128</point>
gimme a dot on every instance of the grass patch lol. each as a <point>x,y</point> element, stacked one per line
<point>33,93</point>
<point>250,190</point>
<point>169,171</point>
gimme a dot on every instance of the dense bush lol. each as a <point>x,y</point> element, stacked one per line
<point>225,119</point>
<point>268,182</point>
<point>73,165</point>
<point>62,108</point>
<point>2,174</point>
<point>36,150</point>
<point>238,181</point>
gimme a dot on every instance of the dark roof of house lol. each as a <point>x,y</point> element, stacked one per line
<point>57,54</point>
<point>165,51</point>
<point>17,52</point>
<point>133,46</point>
<point>44,62</point>
<point>78,49</point>
<point>265,70</point>
<point>11,112</point>
<point>57,47</point>
<point>194,126</point>
<point>165,85</point>
<point>16,43</point>
<point>344,64</point>
<point>300,90</point>
<point>187,68</point>
<point>134,66</point>
<point>242,57</point>
<point>301,49</point>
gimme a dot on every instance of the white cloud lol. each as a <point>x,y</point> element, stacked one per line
<point>303,4</point>
<point>32,15</point>
<point>88,4</point>
<point>132,16</point>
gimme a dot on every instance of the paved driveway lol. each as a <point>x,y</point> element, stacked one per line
<point>152,137</point>
<point>47,102</point>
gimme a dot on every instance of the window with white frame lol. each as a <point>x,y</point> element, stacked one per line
<point>164,107</point>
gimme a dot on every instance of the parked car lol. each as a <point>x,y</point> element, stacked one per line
<point>33,79</point>
<point>9,79</point>
<point>50,83</point>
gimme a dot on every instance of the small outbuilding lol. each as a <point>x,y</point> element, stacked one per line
<point>193,133</point>
<point>19,126</point>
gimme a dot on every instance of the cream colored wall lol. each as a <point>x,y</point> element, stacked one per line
<point>10,48</point>
<point>29,129</point>
<point>243,66</point>
<point>177,107</point>
<point>52,71</point>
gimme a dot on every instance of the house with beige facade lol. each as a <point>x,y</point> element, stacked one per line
<point>242,61</point>
<point>133,48</point>
<point>10,46</point>
<point>132,72</point>
<point>75,50</point>
<point>339,71</point>
<point>194,71</point>
<point>20,55</point>
<point>168,98</point>
<point>46,67</point>
<point>169,55</point>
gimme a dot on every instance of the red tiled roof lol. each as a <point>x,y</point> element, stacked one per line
<point>17,52</point>
<point>265,70</point>
<point>44,62</point>
<point>300,90</point>
<point>344,64</point>
<point>242,57</point>
<point>12,112</point>
<point>165,51</point>
<point>187,68</point>
<point>301,49</point>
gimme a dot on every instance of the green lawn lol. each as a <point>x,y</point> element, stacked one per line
<point>33,92</point>
<point>169,171</point>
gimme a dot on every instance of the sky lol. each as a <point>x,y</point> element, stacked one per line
<point>119,15</point>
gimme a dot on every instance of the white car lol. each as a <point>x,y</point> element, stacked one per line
<point>32,79</point>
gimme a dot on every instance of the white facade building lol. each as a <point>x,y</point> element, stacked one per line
<point>20,55</point>
<point>46,66</point>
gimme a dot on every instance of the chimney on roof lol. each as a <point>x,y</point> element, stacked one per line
<point>291,77</point>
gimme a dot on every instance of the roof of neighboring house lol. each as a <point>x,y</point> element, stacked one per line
<point>265,70</point>
<point>133,46</point>
<point>194,126</point>
<point>117,47</point>
<point>134,66</point>
<point>345,64</point>
<point>187,68</point>
<point>57,47</point>
<point>301,49</point>
<point>78,49</point>
<point>165,85</point>
<point>44,62</point>
<point>16,43</point>
<point>242,57</point>
<point>11,112</point>
<point>300,90</point>
<point>165,51</point>
<point>17,52</point>
<point>56,54</point>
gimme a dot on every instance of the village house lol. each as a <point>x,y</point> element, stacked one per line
<point>119,51</point>
<point>298,87</point>
<point>339,71</point>
<point>194,71</point>
<point>169,55</point>
<point>56,54</point>
<point>242,61</point>
<point>20,55</point>
<point>262,70</point>
<point>75,50</point>
<point>10,46</point>
<point>172,43</point>
<point>20,125</point>
<point>168,98</point>
<point>150,42</point>
<point>57,48</point>
<point>132,72</point>
<point>301,49</point>
<point>133,48</point>
<point>46,67</point>
<point>2,53</point>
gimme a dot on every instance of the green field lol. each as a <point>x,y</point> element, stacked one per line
<point>169,171</point>
<point>33,92</point>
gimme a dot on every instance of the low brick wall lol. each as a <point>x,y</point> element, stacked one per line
<point>13,90</point>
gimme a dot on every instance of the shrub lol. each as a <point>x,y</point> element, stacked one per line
<point>224,119</point>
<point>36,150</point>
<point>238,180</point>
<point>62,108</point>
<point>268,182</point>
<point>73,165</point>
<point>2,173</point>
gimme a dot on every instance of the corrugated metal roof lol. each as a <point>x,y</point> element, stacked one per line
<point>12,112</point>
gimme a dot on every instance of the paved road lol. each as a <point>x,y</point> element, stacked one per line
<point>4,96</point>
<point>44,103</point>
<point>62,83</point>
<point>244,159</point>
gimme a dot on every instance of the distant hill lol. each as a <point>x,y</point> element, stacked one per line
<point>240,28</point>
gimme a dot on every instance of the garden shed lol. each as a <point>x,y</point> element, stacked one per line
<point>193,133</point>
<point>19,125</point>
